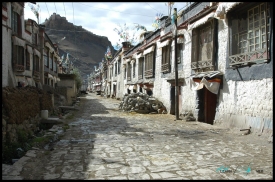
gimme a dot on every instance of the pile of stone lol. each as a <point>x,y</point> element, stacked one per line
<point>142,103</point>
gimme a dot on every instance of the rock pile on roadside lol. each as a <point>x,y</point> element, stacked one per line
<point>142,103</point>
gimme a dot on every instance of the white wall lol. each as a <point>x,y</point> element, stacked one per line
<point>8,78</point>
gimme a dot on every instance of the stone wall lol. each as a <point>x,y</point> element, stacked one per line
<point>246,103</point>
<point>21,108</point>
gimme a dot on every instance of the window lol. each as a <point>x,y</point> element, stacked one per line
<point>111,73</point>
<point>202,47</point>
<point>165,59</point>
<point>180,48</point>
<point>140,68</point>
<point>18,58</point>
<point>118,66</point>
<point>36,64</point>
<point>35,38</point>
<point>15,23</point>
<point>28,60</point>
<point>115,69</point>
<point>180,53</point>
<point>250,35</point>
<point>55,64</point>
<point>105,74</point>
<point>51,61</point>
<point>125,72</point>
<point>46,57</point>
<point>149,63</point>
<point>129,66</point>
<point>134,69</point>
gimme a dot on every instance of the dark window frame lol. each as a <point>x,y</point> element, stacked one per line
<point>166,56</point>
<point>204,40</point>
<point>140,67</point>
<point>249,35</point>
<point>129,67</point>
<point>28,59</point>
<point>149,65</point>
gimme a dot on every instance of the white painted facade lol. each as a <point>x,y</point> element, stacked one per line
<point>239,103</point>
<point>6,50</point>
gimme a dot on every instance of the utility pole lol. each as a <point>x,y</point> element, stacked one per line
<point>176,65</point>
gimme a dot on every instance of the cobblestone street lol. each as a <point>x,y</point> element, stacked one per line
<point>106,143</point>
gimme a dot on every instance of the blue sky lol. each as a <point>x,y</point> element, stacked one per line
<point>102,17</point>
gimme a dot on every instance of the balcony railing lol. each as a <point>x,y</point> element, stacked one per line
<point>249,57</point>
<point>165,68</point>
<point>202,65</point>
<point>19,68</point>
<point>148,73</point>
<point>36,73</point>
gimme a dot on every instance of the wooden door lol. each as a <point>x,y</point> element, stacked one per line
<point>210,101</point>
<point>172,98</point>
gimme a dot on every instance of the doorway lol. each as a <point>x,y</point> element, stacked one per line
<point>207,106</point>
<point>172,98</point>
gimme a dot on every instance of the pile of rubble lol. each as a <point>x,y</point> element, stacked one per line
<point>142,103</point>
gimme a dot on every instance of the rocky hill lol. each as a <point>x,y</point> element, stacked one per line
<point>85,49</point>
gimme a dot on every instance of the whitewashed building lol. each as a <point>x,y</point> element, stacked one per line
<point>224,64</point>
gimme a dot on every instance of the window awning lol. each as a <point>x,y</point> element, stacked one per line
<point>201,21</point>
<point>36,52</point>
<point>17,8</point>
<point>139,55</point>
<point>29,49</point>
<point>19,42</point>
<point>50,76</point>
<point>164,43</point>
<point>180,40</point>
<point>198,81</point>
<point>224,7</point>
<point>114,83</point>
<point>49,46</point>
<point>212,85</point>
<point>30,82</point>
<point>117,58</point>
<point>150,49</point>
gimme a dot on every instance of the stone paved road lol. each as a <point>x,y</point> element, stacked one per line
<point>105,143</point>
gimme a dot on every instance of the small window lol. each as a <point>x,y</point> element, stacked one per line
<point>134,69</point>
<point>28,60</point>
<point>129,66</point>
<point>166,56</point>
<point>18,58</point>
<point>149,65</point>
<point>140,68</point>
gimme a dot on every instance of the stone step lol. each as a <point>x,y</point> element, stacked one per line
<point>51,121</point>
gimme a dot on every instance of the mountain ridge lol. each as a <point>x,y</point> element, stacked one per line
<point>85,49</point>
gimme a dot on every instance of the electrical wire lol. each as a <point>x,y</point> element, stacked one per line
<point>48,10</point>
<point>116,11</point>
<point>152,7</point>
<point>74,23</point>
<point>64,8</point>
<point>55,7</point>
